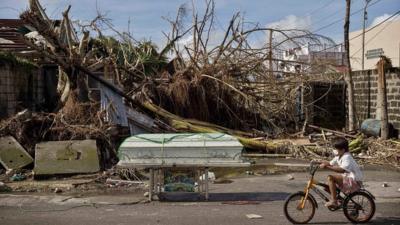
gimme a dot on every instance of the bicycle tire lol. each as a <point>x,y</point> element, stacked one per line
<point>308,201</point>
<point>349,211</point>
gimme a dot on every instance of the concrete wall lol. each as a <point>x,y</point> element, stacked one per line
<point>20,88</point>
<point>361,86</point>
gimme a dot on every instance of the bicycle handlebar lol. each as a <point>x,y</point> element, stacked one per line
<point>314,166</point>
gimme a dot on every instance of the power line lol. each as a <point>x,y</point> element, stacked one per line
<point>11,8</point>
<point>369,29</point>
<point>339,20</point>
<point>322,7</point>
<point>373,37</point>
<point>330,15</point>
<point>377,25</point>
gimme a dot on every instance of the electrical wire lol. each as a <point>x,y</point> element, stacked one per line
<point>339,20</point>
<point>377,25</point>
<point>373,37</point>
<point>320,8</point>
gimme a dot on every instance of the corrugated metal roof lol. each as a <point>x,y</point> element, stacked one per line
<point>10,38</point>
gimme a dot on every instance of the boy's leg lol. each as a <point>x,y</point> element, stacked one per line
<point>332,181</point>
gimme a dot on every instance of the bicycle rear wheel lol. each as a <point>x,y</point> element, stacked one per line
<point>359,207</point>
<point>294,213</point>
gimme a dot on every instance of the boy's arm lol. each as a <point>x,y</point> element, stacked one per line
<point>332,166</point>
<point>337,169</point>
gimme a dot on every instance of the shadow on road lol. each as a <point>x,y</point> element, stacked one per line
<point>222,197</point>
<point>387,220</point>
<point>375,221</point>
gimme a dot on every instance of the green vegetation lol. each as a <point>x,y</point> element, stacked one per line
<point>7,58</point>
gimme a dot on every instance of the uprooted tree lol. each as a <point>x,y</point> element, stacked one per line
<point>231,84</point>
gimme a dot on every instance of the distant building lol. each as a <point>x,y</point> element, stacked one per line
<point>385,37</point>
<point>313,59</point>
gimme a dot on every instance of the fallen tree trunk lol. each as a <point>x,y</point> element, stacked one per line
<point>182,124</point>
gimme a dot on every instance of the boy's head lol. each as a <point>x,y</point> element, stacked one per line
<point>341,144</point>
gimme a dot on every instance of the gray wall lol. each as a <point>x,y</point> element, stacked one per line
<point>20,88</point>
<point>360,79</point>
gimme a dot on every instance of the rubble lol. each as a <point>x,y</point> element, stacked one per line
<point>122,182</point>
<point>4,187</point>
<point>66,157</point>
<point>17,177</point>
<point>12,154</point>
<point>227,88</point>
<point>253,216</point>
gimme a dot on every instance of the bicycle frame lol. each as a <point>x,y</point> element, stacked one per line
<point>312,185</point>
<point>353,207</point>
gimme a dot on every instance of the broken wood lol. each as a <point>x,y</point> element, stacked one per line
<point>114,181</point>
<point>203,127</point>
<point>251,155</point>
<point>382,65</point>
<point>332,131</point>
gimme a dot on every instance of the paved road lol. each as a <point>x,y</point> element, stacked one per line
<point>264,195</point>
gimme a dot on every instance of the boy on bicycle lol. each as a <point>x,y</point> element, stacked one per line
<point>350,176</point>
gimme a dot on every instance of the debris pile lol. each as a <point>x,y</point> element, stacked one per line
<point>225,86</point>
<point>380,152</point>
<point>229,85</point>
<point>73,122</point>
<point>365,149</point>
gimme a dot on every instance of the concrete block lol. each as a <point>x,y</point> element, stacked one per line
<point>66,157</point>
<point>12,154</point>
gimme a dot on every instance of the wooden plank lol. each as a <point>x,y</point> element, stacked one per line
<point>333,131</point>
<point>267,155</point>
<point>151,185</point>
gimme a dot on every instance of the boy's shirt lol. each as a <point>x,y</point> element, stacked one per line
<point>347,163</point>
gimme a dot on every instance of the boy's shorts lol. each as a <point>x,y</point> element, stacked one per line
<point>349,185</point>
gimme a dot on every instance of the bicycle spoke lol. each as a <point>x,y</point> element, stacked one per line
<point>359,207</point>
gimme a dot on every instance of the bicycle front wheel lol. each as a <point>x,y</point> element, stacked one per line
<point>293,211</point>
<point>359,207</point>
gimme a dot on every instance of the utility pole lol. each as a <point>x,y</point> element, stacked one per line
<point>348,78</point>
<point>365,17</point>
<point>270,52</point>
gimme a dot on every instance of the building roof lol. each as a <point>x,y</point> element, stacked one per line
<point>10,38</point>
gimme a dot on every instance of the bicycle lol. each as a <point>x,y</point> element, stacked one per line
<point>299,208</point>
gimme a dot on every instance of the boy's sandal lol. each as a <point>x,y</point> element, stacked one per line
<point>332,204</point>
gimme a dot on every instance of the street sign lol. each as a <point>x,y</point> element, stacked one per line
<point>374,53</point>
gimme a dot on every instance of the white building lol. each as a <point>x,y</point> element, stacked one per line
<point>385,37</point>
<point>313,55</point>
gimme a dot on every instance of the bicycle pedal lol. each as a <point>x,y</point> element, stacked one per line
<point>334,208</point>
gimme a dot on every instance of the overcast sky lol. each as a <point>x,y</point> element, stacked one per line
<point>147,16</point>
